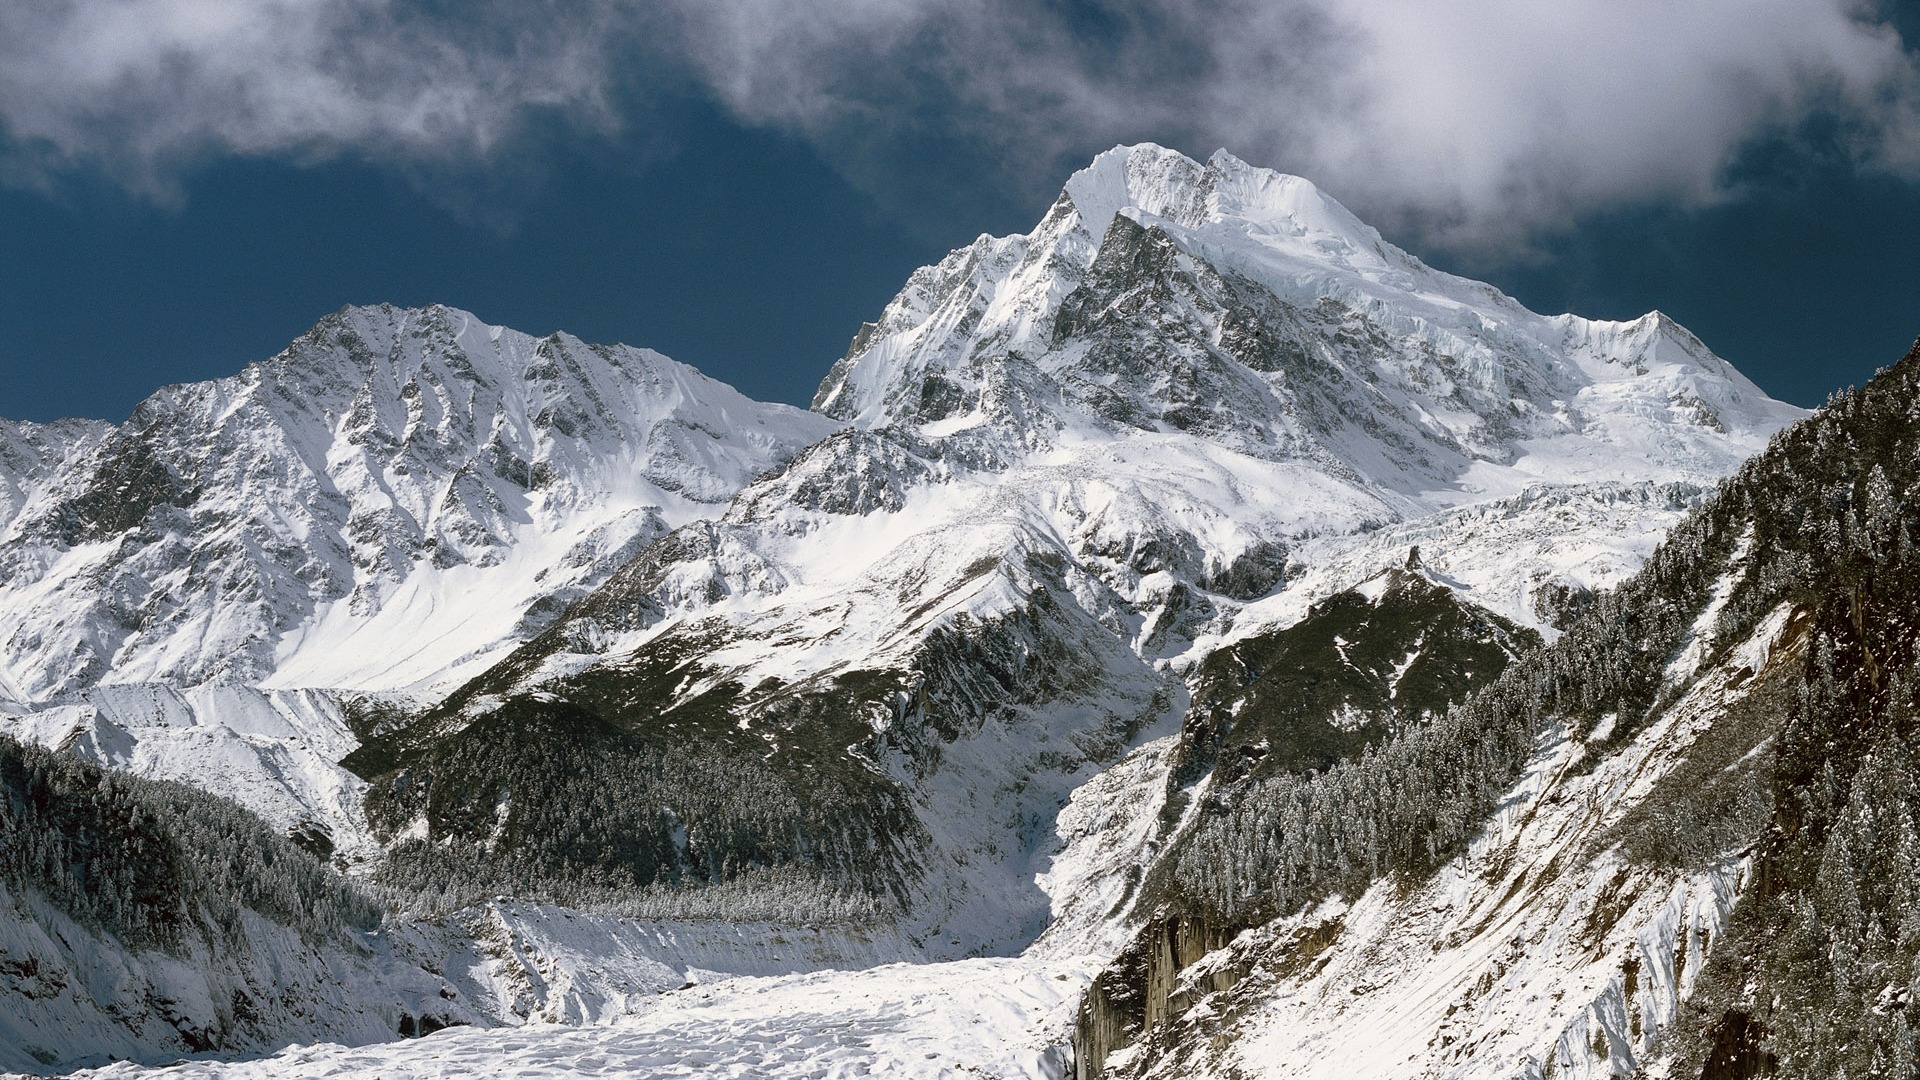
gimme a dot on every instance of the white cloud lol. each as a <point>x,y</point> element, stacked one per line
<point>1483,121</point>
<point>1506,115</point>
<point>143,87</point>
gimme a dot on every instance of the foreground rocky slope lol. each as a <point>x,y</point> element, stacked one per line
<point>1689,829</point>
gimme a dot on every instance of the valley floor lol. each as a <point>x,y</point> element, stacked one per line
<point>1003,1018</point>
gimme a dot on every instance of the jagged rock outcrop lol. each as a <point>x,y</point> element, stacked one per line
<point>1140,990</point>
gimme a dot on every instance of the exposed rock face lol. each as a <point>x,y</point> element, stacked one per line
<point>1395,652</point>
<point>1142,989</point>
<point>1735,1051</point>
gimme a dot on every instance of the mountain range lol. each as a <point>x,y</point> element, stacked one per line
<point>1196,617</point>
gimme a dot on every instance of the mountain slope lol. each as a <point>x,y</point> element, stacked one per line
<point>386,503</point>
<point>275,752</point>
<point>149,920</point>
<point>144,921</point>
<point>31,454</point>
<point>1679,840</point>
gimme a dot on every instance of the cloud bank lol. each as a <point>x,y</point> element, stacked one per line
<point>144,89</point>
<point>1478,123</point>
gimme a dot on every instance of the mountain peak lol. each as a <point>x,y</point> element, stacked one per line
<point>380,329</point>
<point>276,522</point>
<point>1247,307</point>
<point>1145,176</point>
<point>1153,181</point>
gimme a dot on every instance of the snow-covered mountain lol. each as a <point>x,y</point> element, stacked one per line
<point>1246,306</point>
<point>967,651</point>
<point>393,500</point>
<point>1221,362</point>
<point>235,585</point>
<point>1195,400</point>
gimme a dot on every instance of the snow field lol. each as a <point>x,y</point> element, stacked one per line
<point>988,1018</point>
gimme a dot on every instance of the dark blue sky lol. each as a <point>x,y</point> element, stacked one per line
<point>752,245</point>
<point>738,253</point>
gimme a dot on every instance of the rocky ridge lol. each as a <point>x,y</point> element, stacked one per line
<point>394,498</point>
